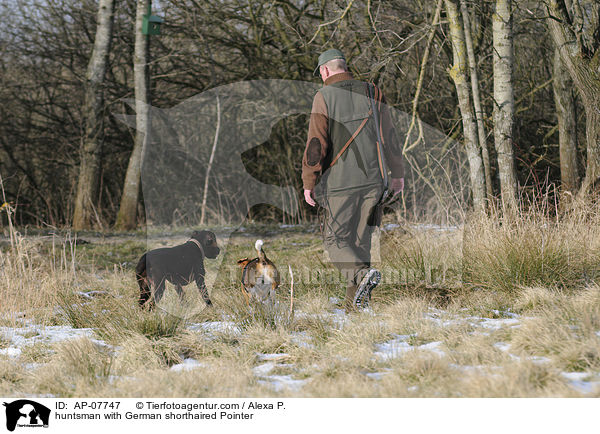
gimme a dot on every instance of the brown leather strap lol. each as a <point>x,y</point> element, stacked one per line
<point>378,98</point>
<point>351,139</point>
<point>379,160</point>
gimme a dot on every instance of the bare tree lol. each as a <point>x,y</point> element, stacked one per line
<point>91,146</point>
<point>458,72</point>
<point>504,100</point>
<point>126,217</point>
<point>575,31</point>
<point>564,99</point>
<point>210,161</point>
<point>399,44</point>
<point>479,113</point>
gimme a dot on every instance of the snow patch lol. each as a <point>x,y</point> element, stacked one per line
<point>302,339</point>
<point>376,375</point>
<point>188,365</point>
<point>338,317</point>
<point>91,294</point>
<point>396,347</point>
<point>32,334</point>
<point>264,369</point>
<point>432,227</point>
<point>282,382</point>
<point>502,346</point>
<point>539,360</point>
<point>271,356</point>
<point>498,323</point>
<point>477,369</point>
<point>580,381</point>
<point>11,352</point>
<point>439,317</point>
<point>276,382</point>
<point>389,227</point>
<point>433,347</point>
<point>435,315</point>
<point>575,376</point>
<point>212,327</point>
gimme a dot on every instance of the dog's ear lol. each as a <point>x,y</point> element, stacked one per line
<point>207,238</point>
<point>200,236</point>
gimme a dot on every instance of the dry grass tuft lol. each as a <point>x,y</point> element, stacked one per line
<point>537,249</point>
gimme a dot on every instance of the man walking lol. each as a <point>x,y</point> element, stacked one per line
<point>351,145</point>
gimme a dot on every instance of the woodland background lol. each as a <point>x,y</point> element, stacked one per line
<point>514,85</point>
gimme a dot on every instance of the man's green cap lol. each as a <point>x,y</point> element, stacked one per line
<point>327,56</point>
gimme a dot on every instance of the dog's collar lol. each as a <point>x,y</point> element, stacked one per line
<point>196,242</point>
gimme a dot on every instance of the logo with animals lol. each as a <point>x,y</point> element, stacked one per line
<point>26,413</point>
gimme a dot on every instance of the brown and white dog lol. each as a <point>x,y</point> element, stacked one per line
<point>180,265</point>
<point>260,277</point>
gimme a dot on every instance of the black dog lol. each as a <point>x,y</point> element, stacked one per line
<point>180,265</point>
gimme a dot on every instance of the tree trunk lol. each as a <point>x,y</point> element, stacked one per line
<point>564,99</point>
<point>579,48</point>
<point>504,107</point>
<point>91,145</point>
<point>126,218</point>
<point>210,161</point>
<point>458,72</point>
<point>479,113</point>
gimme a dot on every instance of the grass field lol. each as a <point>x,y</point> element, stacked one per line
<point>485,310</point>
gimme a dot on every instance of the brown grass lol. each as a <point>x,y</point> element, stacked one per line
<point>456,290</point>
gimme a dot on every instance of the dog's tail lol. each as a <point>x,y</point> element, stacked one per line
<point>258,246</point>
<point>142,279</point>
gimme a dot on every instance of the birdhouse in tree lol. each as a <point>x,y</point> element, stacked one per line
<point>151,25</point>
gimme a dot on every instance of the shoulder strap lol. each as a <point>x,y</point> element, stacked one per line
<point>382,166</point>
<point>351,139</point>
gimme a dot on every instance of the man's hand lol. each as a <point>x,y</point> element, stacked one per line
<point>308,197</point>
<point>397,186</point>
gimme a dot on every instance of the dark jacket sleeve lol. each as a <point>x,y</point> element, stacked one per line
<point>392,147</point>
<point>317,143</point>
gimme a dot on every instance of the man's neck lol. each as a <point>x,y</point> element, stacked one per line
<point>338,76</point>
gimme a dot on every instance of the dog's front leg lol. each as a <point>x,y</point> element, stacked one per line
<point>145,292</point>
<point>159,290</point>
<point>246,295</point>
<point>203,290</point>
